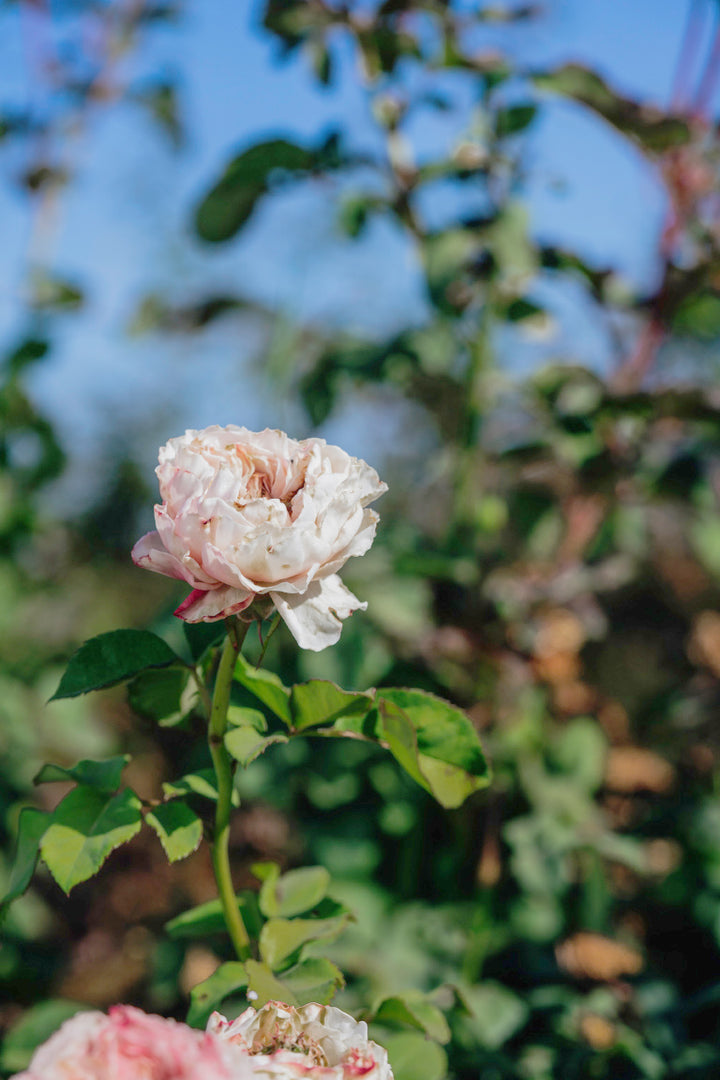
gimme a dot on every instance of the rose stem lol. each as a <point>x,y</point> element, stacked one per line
<point>224,774</point>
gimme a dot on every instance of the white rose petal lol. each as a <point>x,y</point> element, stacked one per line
<point>315,1042</point>
<point>247,513</point>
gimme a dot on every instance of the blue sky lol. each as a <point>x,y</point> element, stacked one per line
<point>123,225</point>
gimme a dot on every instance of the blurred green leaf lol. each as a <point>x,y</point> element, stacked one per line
<point>280,938</point>
<point>266,986</point>
<point>31,827</point>
<point>295,892</point>
<point>211,992</point>
<point>495,1013</point>
<point>34,1027</point>
<point>85,828</point>
<point>113,658</point>
<point>179,829</point>
<point>413,1057</point>
<point>230,202</point>
<point>314,979</point>
<point>654,129</point>
<point>514,119</point>
<point>413,1008</point>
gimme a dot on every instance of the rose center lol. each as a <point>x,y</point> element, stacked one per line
<point>297,1042</point>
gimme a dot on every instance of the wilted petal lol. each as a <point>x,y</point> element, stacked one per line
<point>314,617</point>
<point>216,604</point>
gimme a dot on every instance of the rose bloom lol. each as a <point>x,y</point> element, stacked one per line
<point>247,514</point>
<point>129,1044</point>
<point>315,1042</point>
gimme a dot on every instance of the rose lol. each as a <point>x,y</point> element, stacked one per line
<point>247,514</point>
<point>129,1044</point>
<point>315,1042</point>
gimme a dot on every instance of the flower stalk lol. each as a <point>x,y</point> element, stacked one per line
<point>223,765</point>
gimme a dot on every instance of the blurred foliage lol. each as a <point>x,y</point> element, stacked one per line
<point>550,561</point>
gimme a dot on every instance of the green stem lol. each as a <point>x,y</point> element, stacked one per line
<point>224,775</point>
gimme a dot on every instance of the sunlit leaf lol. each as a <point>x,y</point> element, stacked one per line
<point>319,702</point>
<point>85,828</point>
<point>179,829</point>
<point>265,686</point>
<point>435,743</point>
<point>293,893</point>
<point>245,743</point>
<point>280,938</point>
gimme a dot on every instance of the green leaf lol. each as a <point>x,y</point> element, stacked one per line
<point>266,687</point>
<point>314,979</point>
<point>85,828</point>
<point>699,316</point>
<point>245,744</point>
<point>159,695</point>
<point>265,871</point>
<point>514,119</point>
<point>295,892</point>
<point>262,982</point>
<point>320,702</point>
<point>495,1013</point>
<point>211,992</point>
<point>705,539</point>
<point>104,776</point>
<point>402,741</point>
<point>239,716</point>
<point>413,1008</point>
<point>413,1057</point>
<point>31,827</point>
<point>202,783</point>
<point>441,750</point>
<point>202,636</point>
<point>35,1025</point>
<point>112,658</point>
<point>229,204</point>
<point>280,938</point>
<point>653,128</point>
<point>178,828</point>
<point>208,918</point>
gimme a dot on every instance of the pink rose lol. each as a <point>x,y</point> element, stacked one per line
<point>315,1042</point>
<point>128,1044</point>
<point>247,513</point>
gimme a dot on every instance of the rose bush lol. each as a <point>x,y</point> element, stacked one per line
<point>315,1042</point>
<point>129,1044</point>
<point>246,514</point>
